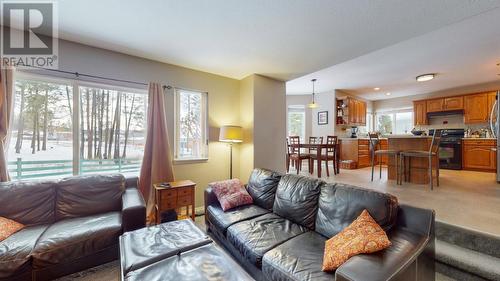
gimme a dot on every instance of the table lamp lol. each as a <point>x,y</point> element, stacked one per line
<point>231,134</point>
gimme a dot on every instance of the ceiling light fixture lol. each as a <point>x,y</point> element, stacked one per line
<point>376,88</point>
<point>426,77</point>
<point>313,104</point>
<point>388,94</point>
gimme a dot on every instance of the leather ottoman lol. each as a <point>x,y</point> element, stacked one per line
<point>175,251</point>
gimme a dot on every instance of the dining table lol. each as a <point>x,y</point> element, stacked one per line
<point>319,149</point>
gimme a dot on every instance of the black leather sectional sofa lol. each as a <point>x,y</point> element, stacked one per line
<point>282,235</point>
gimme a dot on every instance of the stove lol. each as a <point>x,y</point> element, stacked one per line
<point>450,148</point>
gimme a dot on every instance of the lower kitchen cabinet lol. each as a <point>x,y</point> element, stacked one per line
<point>357,150</point>
<point>479,155</point>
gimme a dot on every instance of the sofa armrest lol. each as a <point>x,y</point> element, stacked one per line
<point>410,257</point>
<point>133,210</point>
<point>210,199</point>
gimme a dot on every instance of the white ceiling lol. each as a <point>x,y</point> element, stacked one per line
<point>461,54</point>
<point>283,39</point>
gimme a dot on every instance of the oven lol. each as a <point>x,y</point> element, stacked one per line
<point>450,149</point>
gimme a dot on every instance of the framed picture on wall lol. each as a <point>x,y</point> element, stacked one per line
<point>322,117</point>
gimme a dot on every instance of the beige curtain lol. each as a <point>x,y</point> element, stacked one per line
<point>156,164</point>
<point>6,107</point>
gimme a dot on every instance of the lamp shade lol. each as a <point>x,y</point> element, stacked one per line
<point>231,134</point>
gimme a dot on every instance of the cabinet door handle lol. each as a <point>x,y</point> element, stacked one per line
<point>493,149</point>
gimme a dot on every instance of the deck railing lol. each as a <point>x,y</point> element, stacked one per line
<point>31,169</point>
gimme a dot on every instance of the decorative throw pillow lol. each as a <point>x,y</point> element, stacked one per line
<point>8,227</point>
<point>362,236</point>
<point>231,193</point>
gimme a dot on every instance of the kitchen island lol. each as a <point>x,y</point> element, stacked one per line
<point>418,167</point>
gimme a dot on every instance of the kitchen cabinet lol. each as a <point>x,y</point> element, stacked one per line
<point>420,113</point>
<point>476,108</point>
<point>357,150</point>
<point>453,103</point>
<point>479,155</point>
<point>491,101</point>
<point>435,105</point>
<point>351,112</point>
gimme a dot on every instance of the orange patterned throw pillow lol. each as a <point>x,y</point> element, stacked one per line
<point>362,236</point>
<point>8,227</point>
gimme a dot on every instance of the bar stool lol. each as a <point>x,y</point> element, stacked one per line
<point>433,152</point>
<point>376,151</point>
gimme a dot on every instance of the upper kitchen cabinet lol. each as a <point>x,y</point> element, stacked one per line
<point>453,103</point>
<point>492,96</point>
<point>420,112</point>
<point>476,108</point>
<point>435,105</point>
<point>351,112</point>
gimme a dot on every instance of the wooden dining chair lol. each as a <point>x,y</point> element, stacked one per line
<point>295,153</point>
<point>313,152</point>
<point>329,155</point>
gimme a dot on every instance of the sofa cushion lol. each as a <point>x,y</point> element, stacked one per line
<point>231,193</point>
<point>262,187</point>
<point>74,238</point>
<point>299,258</point>
<point>222,220</point>
<point>253,238</point>
<point>340,205</point>
<point>297,199</point>
<point>15,251</point>
<point>8,227</point>
<point>204,263</point>
<point>379,265</point>
<point>362,236</point>
<point>88,195</point>
<point>20,201</point>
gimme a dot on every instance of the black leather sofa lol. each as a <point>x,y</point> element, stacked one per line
<point>282,235</point>
<point>71,224</point>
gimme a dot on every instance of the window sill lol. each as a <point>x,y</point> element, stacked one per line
<point>189,161</point>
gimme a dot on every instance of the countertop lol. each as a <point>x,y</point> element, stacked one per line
<point>479,138</point>
<point>408,137</point>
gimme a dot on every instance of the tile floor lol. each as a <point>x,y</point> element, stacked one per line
<point>465,198</point>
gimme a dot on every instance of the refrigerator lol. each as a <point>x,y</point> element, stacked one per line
<point>494,126</point>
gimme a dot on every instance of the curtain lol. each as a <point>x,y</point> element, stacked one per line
<point>6,108</point>
<point>156,163</point>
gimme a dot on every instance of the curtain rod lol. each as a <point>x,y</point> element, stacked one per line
<point>77,74</point>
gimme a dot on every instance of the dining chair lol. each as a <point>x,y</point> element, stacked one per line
<point>329,155</point>
<point>375,150</point>
<point>313,152</point>
<point>295,153</point>
<point>431,154</point>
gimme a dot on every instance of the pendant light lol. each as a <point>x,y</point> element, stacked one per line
<point>313,104</point>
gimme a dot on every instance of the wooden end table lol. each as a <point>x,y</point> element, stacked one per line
<point>179,194</point>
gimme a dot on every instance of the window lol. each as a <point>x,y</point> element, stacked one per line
<point>397,122</point>
<point>191,140</point>
<point>112,129</point>
<point>297,121</point>
<point>43,143</point>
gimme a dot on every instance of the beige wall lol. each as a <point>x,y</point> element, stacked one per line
<point>223,95</point>
<point>247,120</point>
<point>269,130</point>
<point>326,102</point>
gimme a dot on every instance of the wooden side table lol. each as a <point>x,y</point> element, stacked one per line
<point>179,194</point>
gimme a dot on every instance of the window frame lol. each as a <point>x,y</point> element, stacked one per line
<point>76,83</point>
<point>205,130</point>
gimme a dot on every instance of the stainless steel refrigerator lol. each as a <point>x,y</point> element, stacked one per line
<point>494,126</point>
